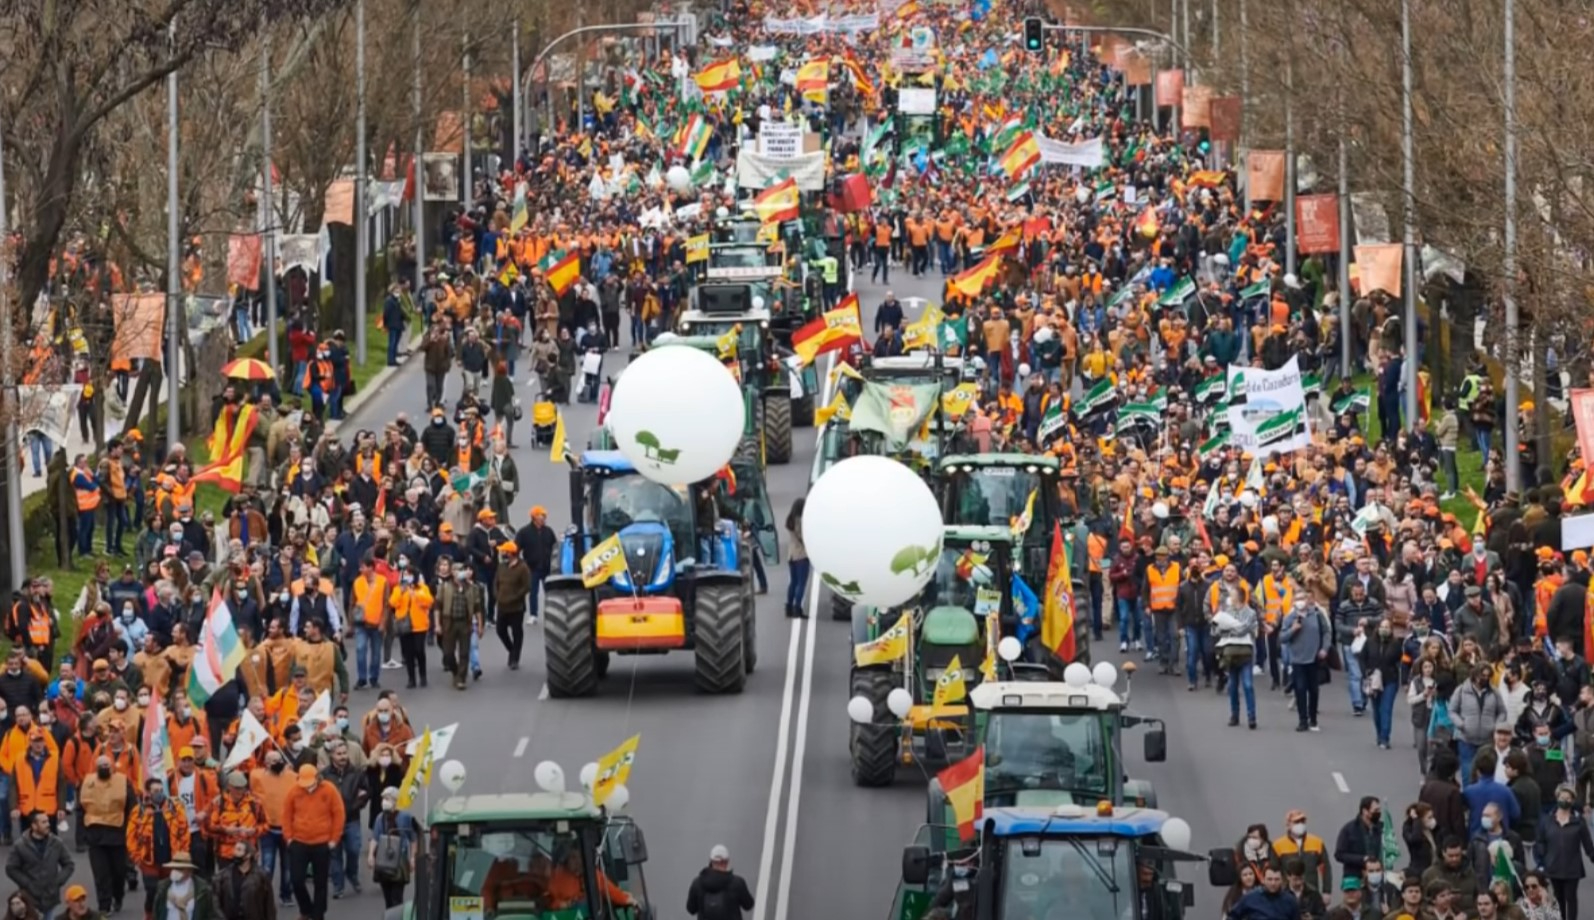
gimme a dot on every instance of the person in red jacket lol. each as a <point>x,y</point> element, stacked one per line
<point>301,344</point>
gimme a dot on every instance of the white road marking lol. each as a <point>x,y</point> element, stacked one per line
<point>789,852</point>
<point>1339,780</point>
<point>520,749</point>
<point>543,693</point>
<point>766,860</point>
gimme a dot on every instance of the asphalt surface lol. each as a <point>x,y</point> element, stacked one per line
<point>766,772</point>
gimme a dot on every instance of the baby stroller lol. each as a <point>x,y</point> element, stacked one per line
<point>544,419</point>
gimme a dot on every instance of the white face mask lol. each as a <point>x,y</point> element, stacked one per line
<point>1486,822</point>
<point>1431,822</point>
<point>385,761</point>
<point>120,704</point>
<point>1298,828</point>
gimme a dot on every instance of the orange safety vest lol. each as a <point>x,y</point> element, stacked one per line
<point>1543,590</point>
<point>1096,546</point>
<point>1213,594</point>
<point>41,794</point>
<point>118,481</point>
<point>87,499</point>
<point>1164,586</point>
<point>373,464</point>
<point>321,369</point>
<point>413,606</point>
<point>1276,603</point>
<point>369,594</point>
<point>39,626</point>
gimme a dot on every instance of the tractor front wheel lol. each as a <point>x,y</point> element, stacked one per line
<point>873,747</point>
<point>719,633</point>
<point>777,427</point>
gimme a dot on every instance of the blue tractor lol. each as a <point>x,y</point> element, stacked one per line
<point>687,581</point>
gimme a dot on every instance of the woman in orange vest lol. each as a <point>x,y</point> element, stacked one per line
<point>87,488</point>
<point>412,608</point>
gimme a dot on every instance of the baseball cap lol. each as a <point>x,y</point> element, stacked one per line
<point>76,893</point>
<point>719,853</point>
<point>185,753</point>
<point>308,776</point>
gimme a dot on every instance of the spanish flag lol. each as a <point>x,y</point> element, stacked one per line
<point>1021,156</point>
<point>907,11</point>
<point>717,78</point>
<point>836,329</point>
<point>963,783</point>
<point>859,78</point>
<point>813,80</point>
<point>1008,243</point>
<point>226,468</point>
<point>562,274</point>
<point>1205,178</point>
<point>1057,608</point>
<point>778,202</point>
<point>972,283</point>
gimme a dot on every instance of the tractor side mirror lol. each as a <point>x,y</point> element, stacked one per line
<point>1220,868</point>
<point>1156,746</point>
<point>916,865</point>
<point>633,846</point>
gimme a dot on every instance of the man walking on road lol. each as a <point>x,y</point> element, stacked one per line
<point>718,893</point>
<point>459,609</point>
<point>312,824</point>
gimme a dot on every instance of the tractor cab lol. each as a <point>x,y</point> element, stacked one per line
<point>538,856</point>
<point>1066,862</point>
<point>973,572</point>
<point>994,490</point>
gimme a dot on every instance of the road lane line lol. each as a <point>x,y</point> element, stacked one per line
<point>543,693</point>
<point>1339,780</point>
<point>766,860</point>
<point>520,749</point>
<point>789,850</point>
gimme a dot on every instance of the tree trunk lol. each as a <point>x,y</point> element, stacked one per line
<point>49,218</point>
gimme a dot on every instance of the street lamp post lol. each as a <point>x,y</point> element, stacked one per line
<point>17,552</point>
<point>362,220</point>
<point>1513,469</point>
<point>174,283</point>
<point>1408,260</point>
<point>268,215</point>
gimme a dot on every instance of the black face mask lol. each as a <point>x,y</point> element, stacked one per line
<point>276,767</point>
<point>104,772</point>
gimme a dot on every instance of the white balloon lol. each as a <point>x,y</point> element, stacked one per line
<point>1076,675</point>
<point>679,178</point>
<point>860,710</point>
<point>451,773</point>
<point>1159,510</point>
<point>1082,194</point>
<point>619,798</point>
<point>1009,648</point>
<point>671,438</point>
<point>900,702</point>
<point>1105,674</point>
<point>589,774</point>
<point>872,529</point>
<point>549,776</point>
<point>1176,834</point>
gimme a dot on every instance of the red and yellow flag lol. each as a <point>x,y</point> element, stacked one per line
<point>778,202</point>
<point>564,273</point>
<point>972,283</point>
<point>836,329</point>
<point>860,79</point>
<point>964,786</point>
<point>717,78</point>
<point>1205,178</point>
<point>813,80</point>
<point>226,468</point>
<point>1021,156</point>
<point>1008,243</point>
<point>907,11</point>
<point>1057,608</point>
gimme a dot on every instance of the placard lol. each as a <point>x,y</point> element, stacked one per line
<point>915,100</point>
<point>1317,223</point>
<point>1224,112</point>
<point>780,140</point>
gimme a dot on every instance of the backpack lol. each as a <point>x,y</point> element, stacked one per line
<point>716,905</point>
<point>390,858</point>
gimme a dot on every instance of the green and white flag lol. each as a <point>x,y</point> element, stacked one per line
<point>1018,192</point>
<point>1105,190</point>
<point>895,411</point>
<point>1099,397</point>
<point>1259,289</point>
<point>1145,410</point>
<point>464,482</point>
<point>1254,480</point>
<point>1212,445</point>
<point>1159,399</point>
<point>1119,297</point>
<point>1128,423</point>
<point>1053,423</point>
<point>1353,403</point>
<point>1209,510</point>
<point>1284,428</point>
<point>702,172</point>
<point>1258,399</point>
<point>1175,296</point>
<point>1311,383</point>
<point>1212,389</point>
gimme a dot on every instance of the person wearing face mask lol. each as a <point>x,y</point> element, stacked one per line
<point>1493,838</point>
<point>235,816</point>
<point>384,768</point>
<point>1419,833</point>
<point>438,438</point>
<point>183,893</point>
<point>354,786</point>
<point>1309,848</point>
<point>77,764</point>
<point>107,799</point>
<point>383,726</point>
<point>411,603</point>
<point>1362,838</point>
<point>1475,708</point>
<point>459,612</point>
<point>1561,847</point>
<point>243,888</point>
<point>391,857</point>
<point>103,680</point>
<point>157,831</point>
<point>270,784</point>
<point>1253,849</point>
<point>1380,668</point>
<point>1486,790</point>
<point>195,788</point>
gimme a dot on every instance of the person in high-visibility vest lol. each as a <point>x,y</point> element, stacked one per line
<point>370,617</point>
<point>37,778</point>
<point>113,474</point>
<point>412,608</point>
<point>1161,592</point>
<point>1550,581</point>
<point>1277,599</point>
<point>87,488</point>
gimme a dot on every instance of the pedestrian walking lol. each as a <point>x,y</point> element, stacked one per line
<point>157,831</point>
<point>718,893</point>
<point>39,864</point>
<point>1380,667</point>
<point>797,560</point>
<point>353,785</point>
<point>512,587</point>
<point>1561,848</point>
<point>107,798</point>
<point>312,826</point>
<point>184,894</point>
<point>459,611</point>
<point>243,889</point>
<point>392,854</point>
<point>271,784</point>
<point>1306,637</point>
<point>1234,628</point>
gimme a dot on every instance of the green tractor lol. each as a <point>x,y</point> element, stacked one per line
<point>894,722</point>
<point>994,490</point>
<point>527,856</point>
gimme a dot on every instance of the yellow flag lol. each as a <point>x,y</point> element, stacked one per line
<point>697,248</point>
<point>838,408</point>
<point>924,332</point>
<point>420,770</point>
<point>844,370</point>
<point>603,562</point>
<point>614,768</point>
<point>768,234</point>
<point>726,344</point>
<point>556,452</point>
<point>957,401</point>
<point>1020,524</point>
<point>993,626</point>
<point>889,646</point>
<point>949,687</point>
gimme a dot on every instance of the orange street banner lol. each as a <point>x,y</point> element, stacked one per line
<point>1136,67</point>
<point>836,329</point>
<point>1021,156</point>
<point>1225,118</point>
<point>340,202</point>
<point>963,783</point>
<point>243,260</point>
<point>1317,223</point>
<point>1583,415</point>
<point>779,202</point>
<point>717,78</point>
<point>140,319</point>
<point>563,274</point>
<point>1379,268</point>
<point>1264,175</point>
<point>1170,87</point>
<point>973,282</point>
<point>449,134</point>
<point>1196,108</point>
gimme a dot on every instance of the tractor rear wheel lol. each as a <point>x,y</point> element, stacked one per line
<point>777,427</point>
<point>570,659</point>
<point>873,747</point>
<point>840,609</point>
<point>719,630</point>
<point>802,411</point>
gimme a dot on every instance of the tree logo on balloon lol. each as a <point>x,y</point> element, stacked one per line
<point>653,450</point>
<point>849,589</point>
<point>913,560</point>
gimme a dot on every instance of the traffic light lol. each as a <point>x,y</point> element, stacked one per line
<point>1034,34</point>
